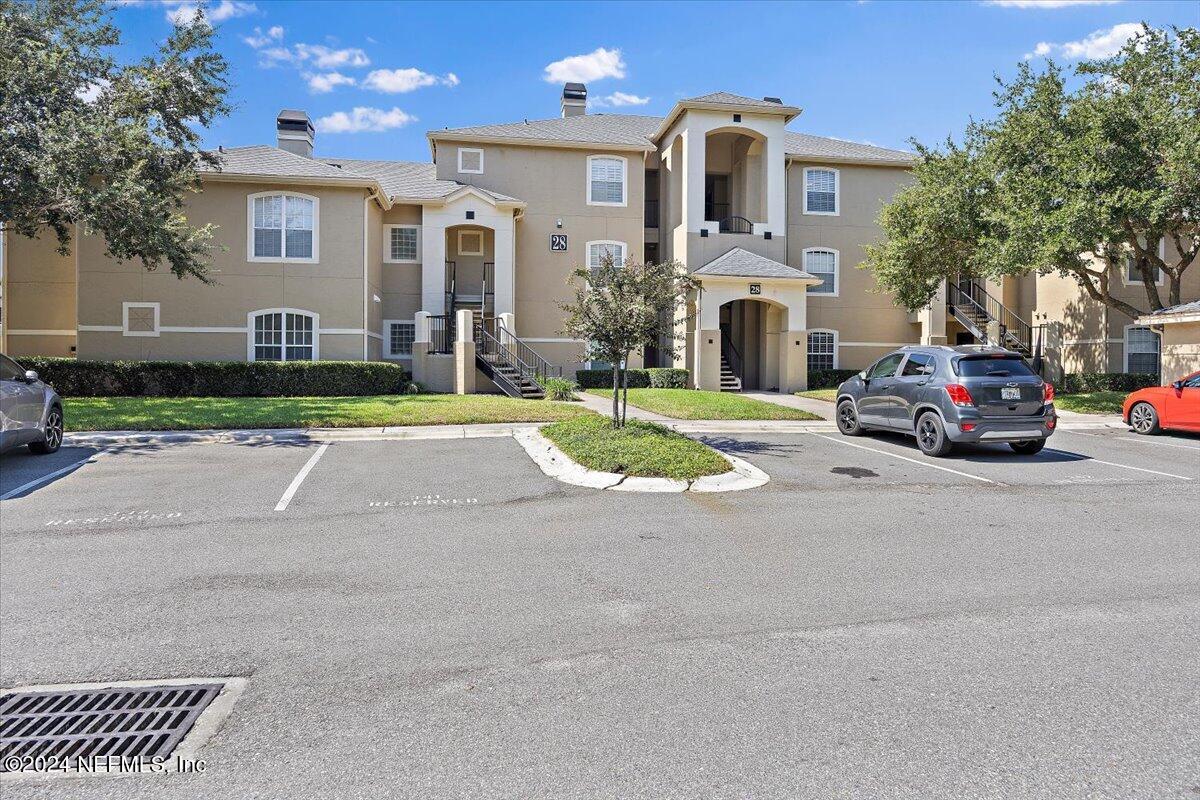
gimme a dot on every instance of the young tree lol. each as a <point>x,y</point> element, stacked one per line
<point>1066,182</point>
<point>115,147</point>
<point>619,308</point>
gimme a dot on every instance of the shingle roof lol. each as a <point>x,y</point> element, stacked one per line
<point>1192,307</point>
<point>626,129</point>
<point>270,161</point>
<point>408,179</point>
<point>741,263</point>
<point>732,99</point>
<point>803,144</point>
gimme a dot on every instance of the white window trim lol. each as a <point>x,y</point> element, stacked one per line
<point>837,269</point>
<point>1125,345</point>
<point>587,251</point>
<point>624,181</point>
<point>1162,276</point>
<point>837,192</point>
<point>387,338</point>
<point>387,245</point>
<point>316,231</point>
<point>125,319</point>
<point>482,243</point>
<point>316,318</point>
<point>836,345</point>
<point>464,171</point>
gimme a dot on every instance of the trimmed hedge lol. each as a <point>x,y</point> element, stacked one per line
<point>73,378</point>
<point>829,378</point>
<point>651,378</point>
<point>1074,383</point>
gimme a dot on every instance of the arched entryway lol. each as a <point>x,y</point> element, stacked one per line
<point>750,339</point>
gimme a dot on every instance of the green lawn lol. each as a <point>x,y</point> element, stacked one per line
<point>195,413</point>
<point>694,404</point>
<point>828,395</point>
<point>1091,402</point>
<point>640,448</point>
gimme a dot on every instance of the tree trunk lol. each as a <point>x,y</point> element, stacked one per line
<point>616,417</point>
<point>624,392</point>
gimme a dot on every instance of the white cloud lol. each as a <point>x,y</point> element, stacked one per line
<point>617,99</point>
<point>318,55</point>
<point>182,13</point>
<point>1050,3</point>
<point>600,63</point>
<point>89,93</point>
<point>324,82</point>
<point>363,119</point>
<point>409,79</point>
<point>259,40</point>
<point>1097,44</point>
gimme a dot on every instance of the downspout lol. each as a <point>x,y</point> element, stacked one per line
<point>366,284</point>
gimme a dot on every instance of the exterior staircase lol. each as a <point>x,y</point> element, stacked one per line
<point>510,363</point>
<point>730,382</point>
<point>988,320</point>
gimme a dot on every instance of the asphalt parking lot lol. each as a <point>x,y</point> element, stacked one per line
<point>431,618</point>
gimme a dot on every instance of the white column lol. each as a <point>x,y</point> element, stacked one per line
<point>433,269</point>
<point>776,170</point>
<point>694,143</point>
<point>505,268</point>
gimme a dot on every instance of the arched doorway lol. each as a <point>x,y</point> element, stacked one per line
<point>735,179</point>
<point>750,343</point>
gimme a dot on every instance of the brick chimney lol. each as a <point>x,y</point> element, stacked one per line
<point>294,132</point>
<point>574,100</point>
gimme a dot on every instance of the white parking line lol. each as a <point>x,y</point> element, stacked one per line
<point>36,482</point>
<point>1120,466</point>
<point>1151,442</point>
<point>299,479</point>
<point>905,458</point>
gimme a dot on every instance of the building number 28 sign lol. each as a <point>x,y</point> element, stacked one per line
<point>558,243</point>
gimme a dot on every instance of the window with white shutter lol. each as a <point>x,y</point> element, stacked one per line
<point>822,263</point>
<point>821,191</point>
<point>606,181</point>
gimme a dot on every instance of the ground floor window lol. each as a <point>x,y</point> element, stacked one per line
<point>1141,350</point>
<point>284,336</point>
<point>400,337</point>
<point>822,350</point>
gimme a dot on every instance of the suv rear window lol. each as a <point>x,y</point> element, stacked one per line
<point>998,366</point>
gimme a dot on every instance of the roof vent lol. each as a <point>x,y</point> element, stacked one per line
<point>574,100</point>
<point>294,132</point>
<point>774,100</point>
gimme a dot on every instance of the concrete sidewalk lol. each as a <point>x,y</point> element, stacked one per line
<point>603,406</point>
<point>821,408</point>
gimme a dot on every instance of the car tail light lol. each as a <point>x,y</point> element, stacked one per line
<point>959,395</point>
<point>967,427</point>
<point>1048,392</point>
<point>1050,424</point>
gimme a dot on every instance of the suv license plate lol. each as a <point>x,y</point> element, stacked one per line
<point>1010,393</point>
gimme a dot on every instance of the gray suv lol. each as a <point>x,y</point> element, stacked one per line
<point>943,395</point>
<point>30,411</point>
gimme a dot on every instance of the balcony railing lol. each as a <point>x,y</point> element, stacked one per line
<point>735,225</point>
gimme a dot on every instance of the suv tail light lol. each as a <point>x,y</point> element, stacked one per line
<point>959,395</point>
<point>1048,392</point>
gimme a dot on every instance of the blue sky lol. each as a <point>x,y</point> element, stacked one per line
<point>877,72</point>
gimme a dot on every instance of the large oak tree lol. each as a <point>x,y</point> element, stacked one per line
<point>1071,181</point>
<point>112,147</point>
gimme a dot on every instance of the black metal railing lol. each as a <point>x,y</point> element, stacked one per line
<point>731,354</point>
<point>441,333</point>
<point>489,280</point>
<point>498,346</point>
<point>971,304</point>
<point>451,284</point>
<point>487,291</point>
<point>651,213</point>
<point>735,225</point>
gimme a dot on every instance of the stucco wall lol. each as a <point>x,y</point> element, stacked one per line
<point>39,296</point>
<point>1180,350</point>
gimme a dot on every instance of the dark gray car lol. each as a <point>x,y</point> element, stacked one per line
<point>943,395</point>
<point>30,411</point>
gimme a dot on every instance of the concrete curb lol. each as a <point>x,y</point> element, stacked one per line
<point>558,465</point>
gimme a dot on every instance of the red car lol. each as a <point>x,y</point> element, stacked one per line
<point>1176,406</point>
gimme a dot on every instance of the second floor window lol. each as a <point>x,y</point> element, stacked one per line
<point>824,265</point>
<point>820,191</point>
<point>1134,275</point>
<point>402,243</point>
<point>606,181</point>
<point>284,227</point>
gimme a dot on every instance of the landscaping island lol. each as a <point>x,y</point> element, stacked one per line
<point>697,404</point>
<point>641,449</point>
<point>372,411</point>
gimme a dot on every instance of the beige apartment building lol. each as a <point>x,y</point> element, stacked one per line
<point>457,267</point>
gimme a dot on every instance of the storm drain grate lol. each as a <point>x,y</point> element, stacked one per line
<point>128,722</point>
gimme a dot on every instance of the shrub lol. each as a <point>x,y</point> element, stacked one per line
<point>1075,383</point>
<point>75,378</point>
<point>829,378</point>
<point>559,388</point>
<point>667,378</point>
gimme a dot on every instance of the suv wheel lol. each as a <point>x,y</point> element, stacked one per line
<point>931,435</point>
<point>53,435</point>
<point>1143,418</point>
<point>1028,448</point>
<point>847,419</point>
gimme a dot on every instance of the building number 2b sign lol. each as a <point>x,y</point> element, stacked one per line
<point>558,243</point>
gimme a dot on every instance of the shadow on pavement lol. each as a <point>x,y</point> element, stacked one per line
<point>22,472</point>
<point>743,447</point>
